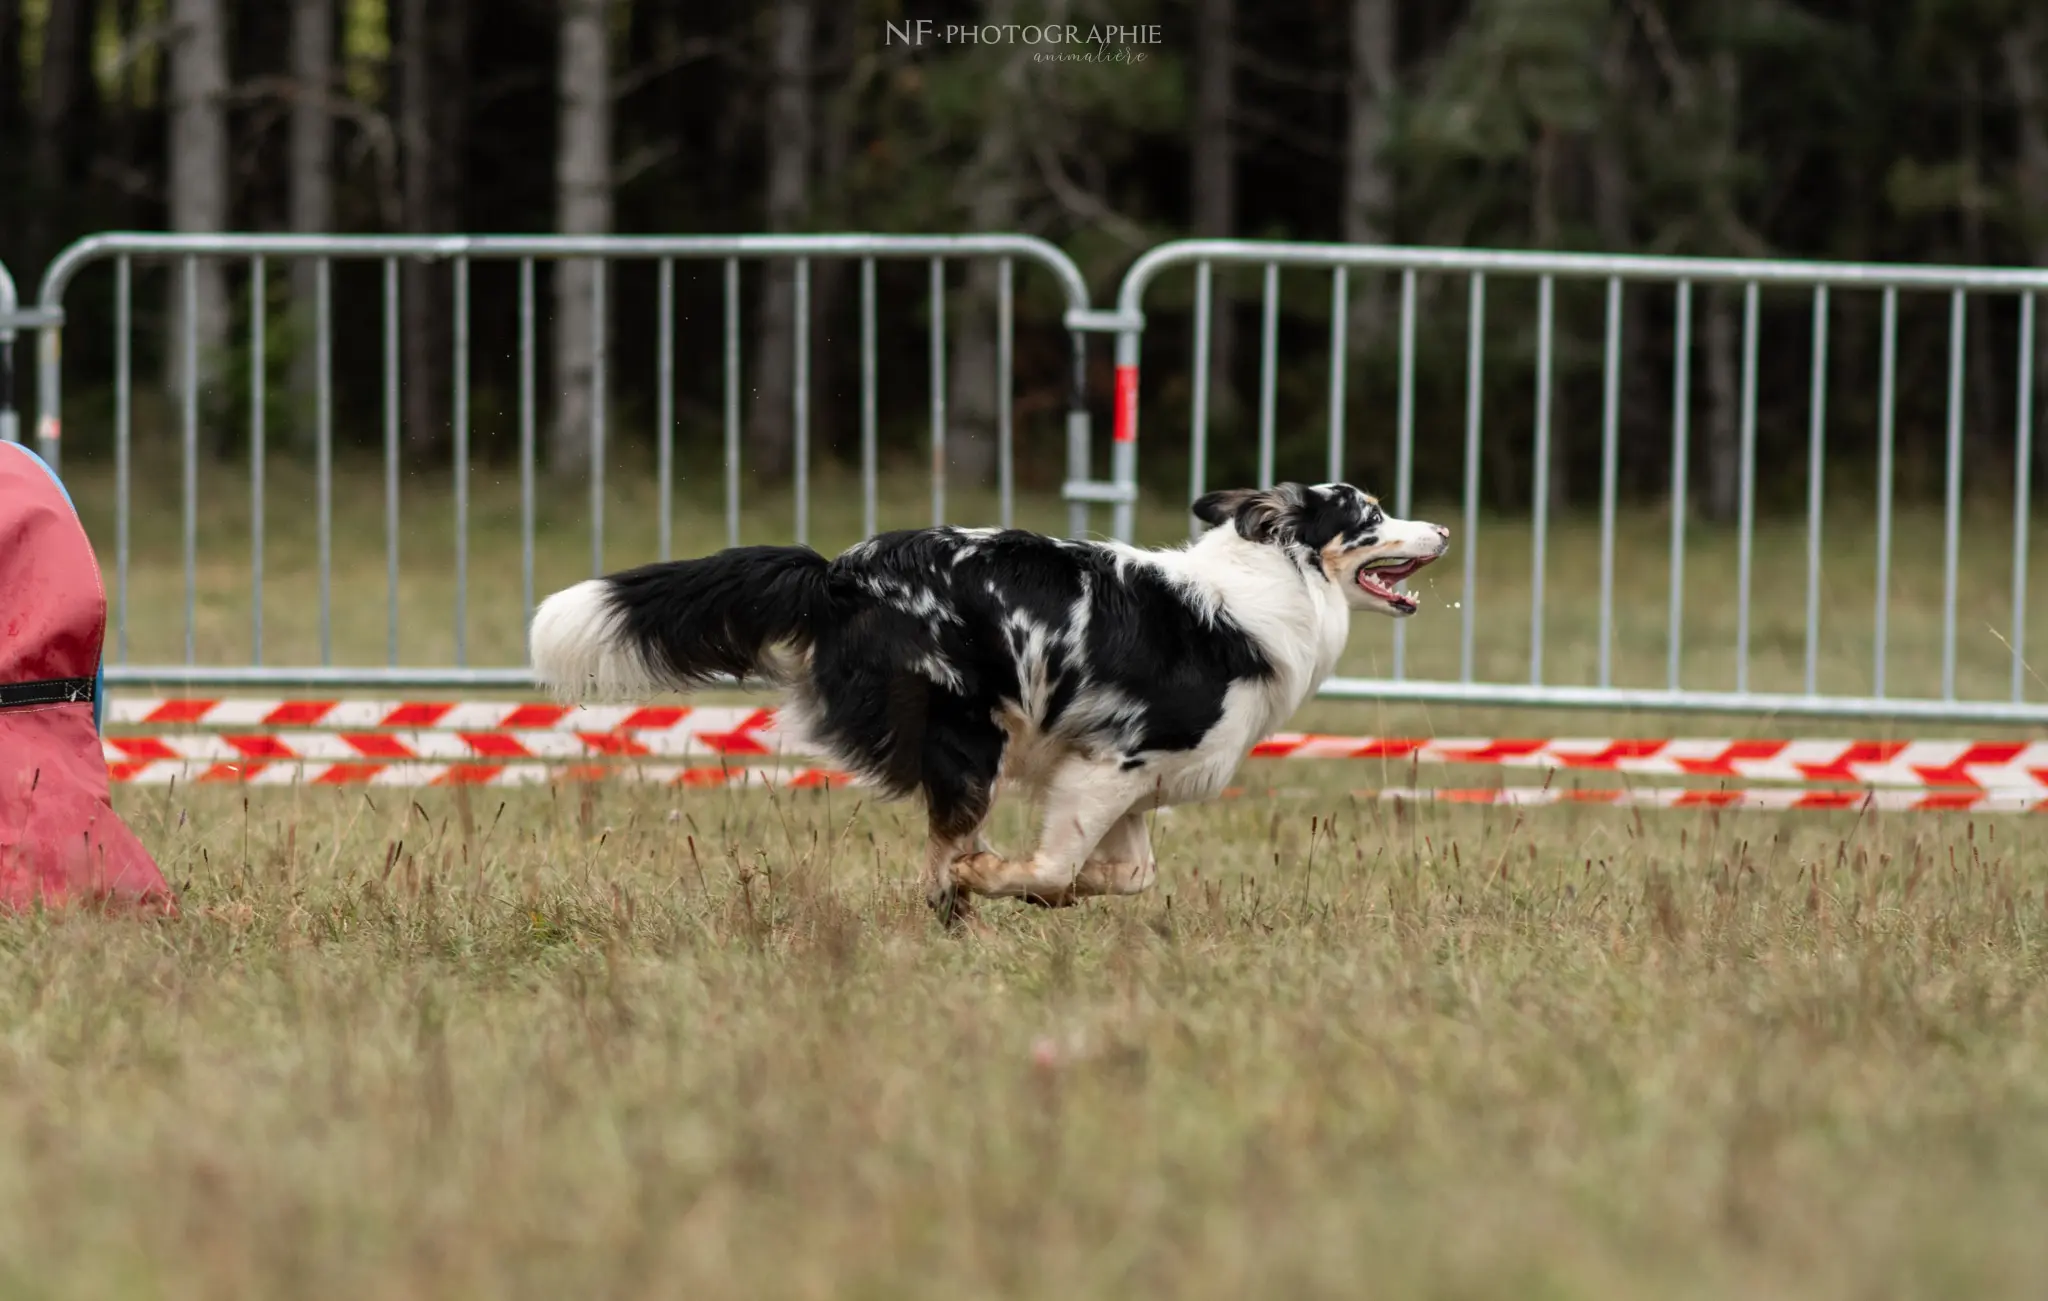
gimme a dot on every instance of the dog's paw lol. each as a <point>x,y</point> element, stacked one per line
<point>953,907</point>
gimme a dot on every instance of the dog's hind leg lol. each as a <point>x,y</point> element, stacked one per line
<point>959,760</point>
<point>1085,801</point>
<point>1122,863</point>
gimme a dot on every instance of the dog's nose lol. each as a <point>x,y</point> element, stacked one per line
<point>1441,531</point>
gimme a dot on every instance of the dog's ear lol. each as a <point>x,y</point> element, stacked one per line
<point>1217,508</point>
<point>1266,515</point>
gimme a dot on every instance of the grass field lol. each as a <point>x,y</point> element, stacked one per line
<point>625,1042</point>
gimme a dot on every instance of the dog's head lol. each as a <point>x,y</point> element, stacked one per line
<point>1336,531</point>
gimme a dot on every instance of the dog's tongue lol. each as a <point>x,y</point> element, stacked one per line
<point>1385,591</point>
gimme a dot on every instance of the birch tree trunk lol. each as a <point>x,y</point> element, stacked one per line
<point>312,188</point>
<point>770,428</point>
<point>583,206</point>
<point>198,180</point>
<point>1215,186</point>
<point>992,185</point>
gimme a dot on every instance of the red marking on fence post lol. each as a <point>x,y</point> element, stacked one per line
<point>1125,428</point>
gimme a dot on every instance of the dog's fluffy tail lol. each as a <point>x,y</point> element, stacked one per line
<point>681,624</point>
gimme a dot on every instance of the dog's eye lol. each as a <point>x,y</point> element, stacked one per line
<point>1373,517</point>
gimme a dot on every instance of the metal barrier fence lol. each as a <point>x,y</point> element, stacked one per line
<point>1479,268</point>
<point>12,320</point>
<point>185,251</point>
<point>1607,688</point>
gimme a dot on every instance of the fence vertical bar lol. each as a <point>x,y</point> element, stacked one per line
<point>598,388</point>
<point>1887,375</point>
<point>1816,470</point>
<point>124,438</point>
<point>2022,481</point>
<point>1079,458</point>
<point>323,427</point>
<point>1269,339</point>
<point>392,327</point>
<point>665,407</point>
<point>257,306</point>
<point>1745,543</point>
<point>527,440</point>
<point>1006,467</point>
<point>800,402</point>
<point>461,430</point>
<point>1681,456</point>
<point>1610,458</point>
<point>189,451</point>
<point>1952,511</point>
<point>938,368</point>
<point>1546,294</point>
<point>732,402</point>
<point>869,451</point>
<point>1339,344</point>
<point>1198,404</point>
<point>1404,441</point>
<point>1475,413</point>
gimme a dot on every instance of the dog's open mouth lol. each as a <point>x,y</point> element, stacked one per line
<point>1383,581</point>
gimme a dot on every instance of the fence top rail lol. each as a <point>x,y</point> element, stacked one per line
<point>94,248</point>
<point>1590,266</point>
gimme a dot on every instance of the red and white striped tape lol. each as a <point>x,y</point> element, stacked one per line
<point>399,747</point>
<point>1961,765</point>
<point>427,774</point>
<point>158,772</point>
<point>1958,765</point>
<point>1774,799</point>
<point>431,715</point>
<point>402,731</point>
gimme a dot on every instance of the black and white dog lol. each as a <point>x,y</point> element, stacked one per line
<point>1106,679</point>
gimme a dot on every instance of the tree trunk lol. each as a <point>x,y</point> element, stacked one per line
<point>1368,181</point>
<point>835,370</point>
<point>991,183</point>
<point>1724,448</point>
<point>433,128</point>
<point>1613,202</point>
<point>1214,148</point>
<point>198,181</point>
<point>2023,49</point>
<point>312,189</point>
<point>1985,397</point>
<point>65,76</point>
<point>416,148</point>
<point>770,428</point>
<point>583,206</point>
<point>1547,163</point>
<point>11,124</point>
<point>1724,436</point>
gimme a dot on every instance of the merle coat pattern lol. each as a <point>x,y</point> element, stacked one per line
<point>1105,679</point>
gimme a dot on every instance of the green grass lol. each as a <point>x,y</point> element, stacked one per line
<point>710,1045</point>
<point>621,1041</point>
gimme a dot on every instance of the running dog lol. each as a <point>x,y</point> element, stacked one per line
<point>1104,679</point>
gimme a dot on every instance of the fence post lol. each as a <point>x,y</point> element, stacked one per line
<point>1123,469</point>
<point>10,420</point>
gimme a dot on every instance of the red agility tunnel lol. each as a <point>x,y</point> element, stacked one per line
<point>60,840</point>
